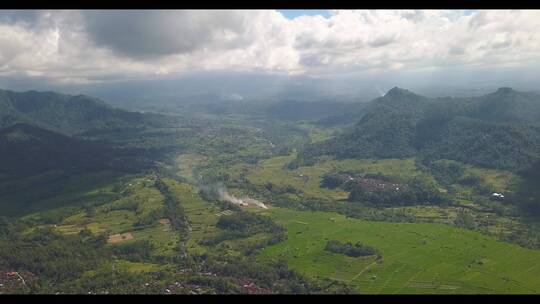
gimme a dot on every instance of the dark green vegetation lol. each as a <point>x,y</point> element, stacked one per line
<point>28,150</point>
<point>391,196</point>
<point>500,130</point>
<point>246,224</point>
<point>381,190</point>
<point>349,249</point>
<point>68,114</point>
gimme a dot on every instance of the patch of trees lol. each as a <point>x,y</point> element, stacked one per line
<point>173,209</point>
<point>366,212</point>
<point>247,223</point>
<point>135,251</point>
<point>277,189</point>
<point>112,281</point>
<point>526,199</point>
<point>274,276</point>
<point>526,238</point>
<point>417,191</point>
<point>49,255</point>
<point>334,180</point>
<point>274,238</point>
<point>129,205</point>
<point>244,224</point>
<point>447,173</point>
<point>354,250</point>
<point>465,220</point>
<point>149,219</point>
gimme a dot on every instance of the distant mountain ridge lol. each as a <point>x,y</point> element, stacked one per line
<point>497,130</point>
<point>69,114</point>
<point>42,131</point>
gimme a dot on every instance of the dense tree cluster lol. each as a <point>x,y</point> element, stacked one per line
<point>465,219</point>
<point>247,223</point>
<point>136,251</point>
<point>498,130</point>
<point>383,191</point>
<point>356,250</point>
<point>418,191</point>
<point>55,257</point>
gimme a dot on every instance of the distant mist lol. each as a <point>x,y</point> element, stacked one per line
<point>212,87</point>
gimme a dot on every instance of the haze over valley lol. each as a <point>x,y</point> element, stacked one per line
<point>269,152</point>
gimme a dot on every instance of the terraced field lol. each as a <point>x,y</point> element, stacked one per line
<point>201,215</point>
<point>417,257</point>
<point>119,218</point>
<point>186,163</point>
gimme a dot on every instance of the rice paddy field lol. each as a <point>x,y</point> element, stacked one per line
<point>118,218</point>
<point>417,257</point>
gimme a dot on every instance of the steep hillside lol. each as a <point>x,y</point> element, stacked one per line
<point>498,130</point>
<point>66,113</point>
<point>27,150</point>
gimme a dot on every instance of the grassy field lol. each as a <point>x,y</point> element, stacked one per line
<point>417,257</point>
<point>316,134</point>
<point>308,178</point>
<point>186,163</point>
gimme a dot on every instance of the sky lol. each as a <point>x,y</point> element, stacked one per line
<point>346,50</point>
<point>291,14</point>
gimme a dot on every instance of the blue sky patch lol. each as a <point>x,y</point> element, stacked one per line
<point>291,14</point>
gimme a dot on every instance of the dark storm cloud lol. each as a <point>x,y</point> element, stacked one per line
<point>150,34</point>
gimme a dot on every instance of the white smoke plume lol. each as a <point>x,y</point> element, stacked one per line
<point>245,201</point>
<point>255,202</point>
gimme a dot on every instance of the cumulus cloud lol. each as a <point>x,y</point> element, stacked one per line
<point>143,34</point>
<point>93,46</point>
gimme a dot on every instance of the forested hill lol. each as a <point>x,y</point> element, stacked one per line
<point>68,114</point>
<point>498,130</point>
<point>27,150</point>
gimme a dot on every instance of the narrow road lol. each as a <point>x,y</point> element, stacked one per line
<point>363,270</point>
